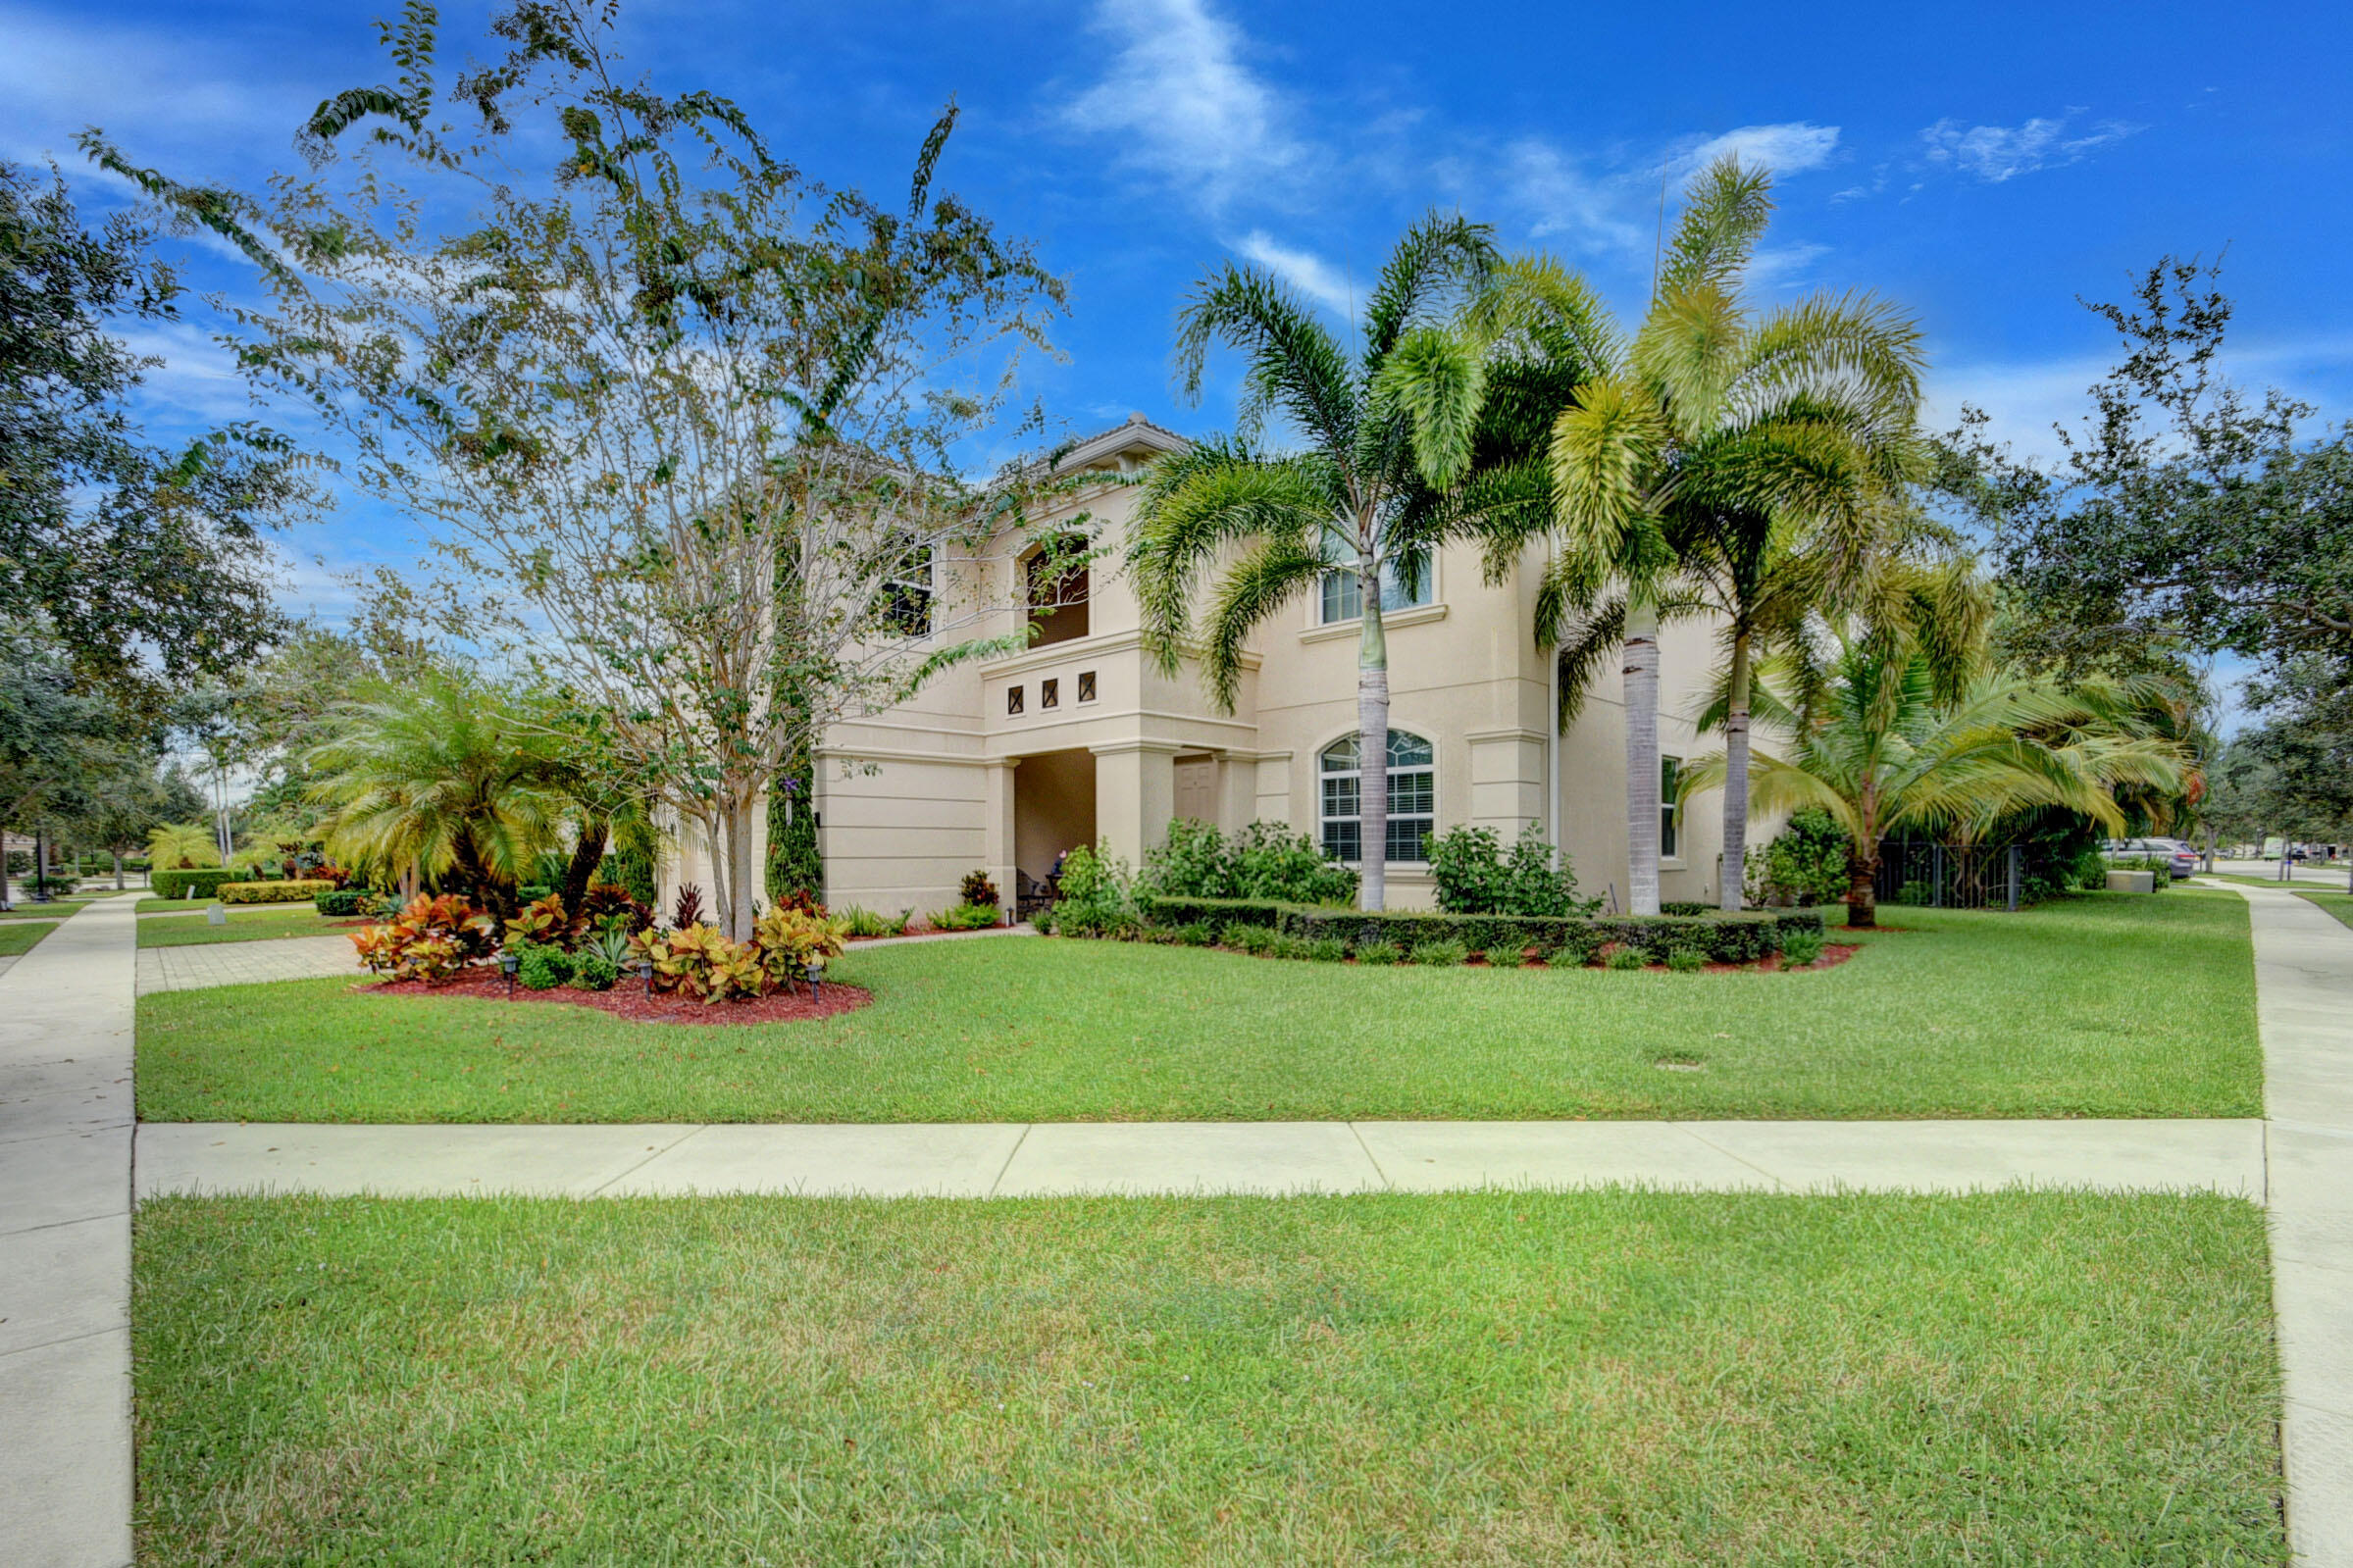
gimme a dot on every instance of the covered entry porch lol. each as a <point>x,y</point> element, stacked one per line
<point>1121,794</point>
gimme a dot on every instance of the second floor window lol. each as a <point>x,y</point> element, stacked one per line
<point>1342,599</point>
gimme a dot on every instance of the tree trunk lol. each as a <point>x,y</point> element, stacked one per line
<point>1372,741</point>
<point>741,878</point>
<point>4,901</point>
<point>587,853</point>
<point>1642,757</point>
<point>118,871</point>
<point>1734,875</point>
<point>1863,898</point>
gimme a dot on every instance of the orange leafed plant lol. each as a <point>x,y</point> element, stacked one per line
<point>430,940</point>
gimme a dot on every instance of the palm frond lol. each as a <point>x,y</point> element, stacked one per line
<point>1726,206</point>
<point>1271,574</point>
<point>1440,260</point>
<point>1292,362</point>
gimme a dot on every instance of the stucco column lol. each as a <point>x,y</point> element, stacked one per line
<point>1135,796</point>
<point>998,829</point>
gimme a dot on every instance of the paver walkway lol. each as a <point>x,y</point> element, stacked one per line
<point>65,1244</point>
<point>245,963</point>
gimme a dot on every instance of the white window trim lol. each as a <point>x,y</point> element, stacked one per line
<point>1319,775</point>
<point>1436,602</point>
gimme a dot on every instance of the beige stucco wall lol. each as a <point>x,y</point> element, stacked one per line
<point>912,799</point>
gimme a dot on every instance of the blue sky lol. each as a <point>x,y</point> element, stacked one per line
<point>1981,164</point>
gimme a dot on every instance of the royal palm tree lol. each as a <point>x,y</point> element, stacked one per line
<point>1698,466</point>
<point>443,773</point>
<point>1877,751</point>
<point>1352,498</point>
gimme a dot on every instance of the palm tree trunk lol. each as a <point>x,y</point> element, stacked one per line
<point>1642,755</point>
<point>587,853</point>
<point>1863,864</point>
<point>1372,741</point>
<point>1863,897</point>
<point>1734,875</point>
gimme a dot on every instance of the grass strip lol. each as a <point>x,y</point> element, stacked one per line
<point>2050,1012</point>
<point>20,936</point>
<point>266,923</point>
<point>1597,1377</point>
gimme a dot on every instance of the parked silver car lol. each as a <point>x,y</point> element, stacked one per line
<point>2184,860</point>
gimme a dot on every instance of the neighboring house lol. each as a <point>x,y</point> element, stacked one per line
<point>1007,763</point>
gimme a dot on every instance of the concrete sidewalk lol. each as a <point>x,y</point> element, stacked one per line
<point>2304,998</point>
<point>1012,1160</point>
<point>65,1244</point>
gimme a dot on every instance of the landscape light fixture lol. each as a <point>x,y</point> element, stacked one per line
<point>508,963</point>
<point>815,970</point>
<point>645,973</point>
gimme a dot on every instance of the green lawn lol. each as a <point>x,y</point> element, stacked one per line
<point>55,909</point>
<point>1601,1377</point>
<point>22,936</point>
<point>2096,1006</point>
<point>149,905</point>
<point>261,924</point>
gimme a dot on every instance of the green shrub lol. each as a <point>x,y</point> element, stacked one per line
<point>859,921</point>
<point>1165,910</point>
<point>1505,956</point>
<point>1263,861</point>
<point>344,902</point>
<point>198,882</point>
<point>1044,922</point>
<point>539,967</point>
<point>978,890</point>
<point>530,892</point>
<point>1196,933</point>
<point>1379,953</point>
<point>1686,960</point>
<point>1257,941</point>
<point>1626,958</point>
<point>1282,944</point>
<point>1326,949</point>
<point>1685,907</point>
<point>1441,954</point>
<point>593,973</point>
<point>1096,897</point>
<point>1805,864</point>
<point>1476,875</point>
<point>966,917</point>
<point>270,892</point>
<point>1801,948</point>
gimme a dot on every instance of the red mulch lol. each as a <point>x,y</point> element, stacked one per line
<point>629,1000</point>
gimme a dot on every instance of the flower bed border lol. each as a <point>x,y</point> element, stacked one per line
<point>629,1003</point>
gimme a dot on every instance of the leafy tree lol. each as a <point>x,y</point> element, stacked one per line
<point>2180,509</point>
<point>1352,498</point>
<point>57,742</point>
<point>689,425</point>
<point>1877,751</point>
<point>132,551</point>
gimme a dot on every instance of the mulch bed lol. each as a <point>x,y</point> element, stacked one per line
<point>629,1000</point>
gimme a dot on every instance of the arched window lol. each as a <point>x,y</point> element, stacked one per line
<point>1412,798</point>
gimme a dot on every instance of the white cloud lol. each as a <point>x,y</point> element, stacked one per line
<point>1305,270</point>
<point>1191,109</point>
<point>1563,200</point>
<point>56,76</point>
<point>1785,149</point>
<point>1783,266</point>
<point>1996,153</point>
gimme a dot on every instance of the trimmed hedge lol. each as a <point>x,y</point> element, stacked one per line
<point>344,903</point>
<point>200,882</point>
<point>271,892</point>
<point>1725,938</point>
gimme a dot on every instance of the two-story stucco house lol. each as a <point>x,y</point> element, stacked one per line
<point>1007,763</point>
